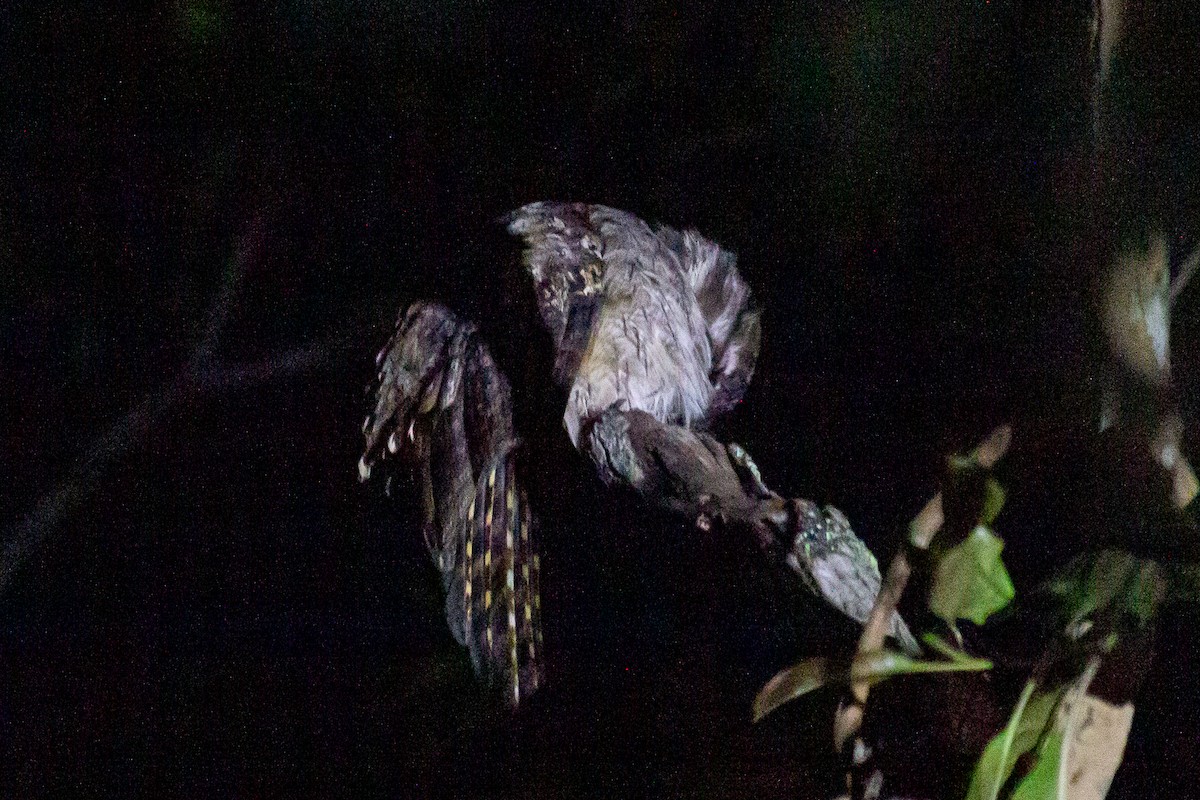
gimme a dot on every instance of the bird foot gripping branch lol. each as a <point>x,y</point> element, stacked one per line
<point>656,337</point>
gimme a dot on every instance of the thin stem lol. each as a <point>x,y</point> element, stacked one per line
<point>925,526</point>
<point>203,375</point>
<point>1010,733</point>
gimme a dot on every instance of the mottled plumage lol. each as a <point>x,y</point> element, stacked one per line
<point>650,322</point>
<point>668,324</point>
<point>440,400</point>
<point>836,565</point>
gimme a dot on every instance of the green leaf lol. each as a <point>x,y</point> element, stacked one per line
<point>1020,735</point>
<point>1111,573</point>
<point>970,580</point>
<point>960,464</point>
<point>993,501</point>
<point>941,646</point>
<point>1096,581</point>
<point>880,665</point>
<point>873,667</point>
<point>796,681</point>
<point>1145,591</point>
<point>1042,781</point>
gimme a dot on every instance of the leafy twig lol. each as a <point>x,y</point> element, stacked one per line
<point>924,527</point>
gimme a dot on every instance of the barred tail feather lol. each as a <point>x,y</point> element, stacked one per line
<point>442,403</point>
<point>529,619</point>
<point>503,622</point>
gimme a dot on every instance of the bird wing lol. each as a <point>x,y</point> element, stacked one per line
<point>728,309</point>
<point>565,245</point>
<point>443,413</point>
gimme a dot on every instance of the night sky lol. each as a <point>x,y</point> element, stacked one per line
<point>227,612</point>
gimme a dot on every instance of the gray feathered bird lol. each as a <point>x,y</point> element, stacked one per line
<point>643,319</point>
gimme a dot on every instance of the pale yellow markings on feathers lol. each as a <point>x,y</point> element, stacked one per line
<point>512,639</point>
<point>512,633</point>
<point>510,583</point>
<point>491,503</point>
<point>511,523</point>
<point>510,559</point>
<point>537,597</point>
<point>487,597</point>
<point>487,554</point>
<point>468,565</point>
<point>526,522</point>
<point>487,522</point>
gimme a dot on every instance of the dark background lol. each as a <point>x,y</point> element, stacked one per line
<point>909,189</point>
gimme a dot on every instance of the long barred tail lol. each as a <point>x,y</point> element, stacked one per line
<point>494,592</point>
<point>444,410</point>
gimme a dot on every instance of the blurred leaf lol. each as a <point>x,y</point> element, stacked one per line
<point>1094,581</point>
<point>927,523</point>
<point>993,501</point>
<point>1081,748</point>
<point>880,665</point>
<point>1024,728</point>
<point>1145,590</point>
<point>993,448</point>
<point>948,650</point>
<point>959,464</point>
<point>200,21</point>
<point>1137,308</point>
<point>970,580</point>
<point>1093,734</point>
<point>1042,781</point>
<point>796,681</point>
<point>1184,485</point>
<point>874,667</point>
<point>1184,583</point>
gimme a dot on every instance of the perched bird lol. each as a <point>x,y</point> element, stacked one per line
<point>649,319</point>
<point>655,337</point>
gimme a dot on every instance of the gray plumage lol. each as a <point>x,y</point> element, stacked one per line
<point>670,329</point>
<point>836,565</point>
<point>655,335</point>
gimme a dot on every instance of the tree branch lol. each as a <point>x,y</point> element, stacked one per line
<point>693,475</point>
<point>202,377</point>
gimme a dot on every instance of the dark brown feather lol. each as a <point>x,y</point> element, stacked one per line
<point>443,406</point>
